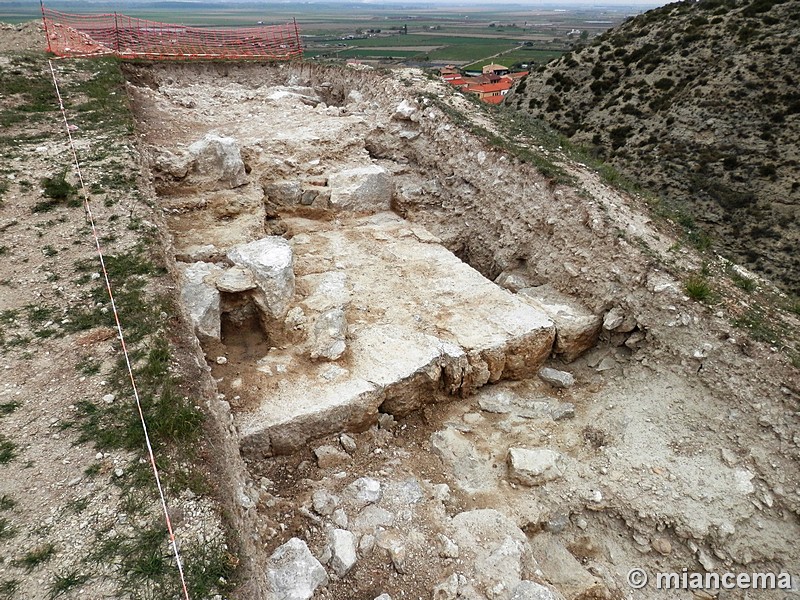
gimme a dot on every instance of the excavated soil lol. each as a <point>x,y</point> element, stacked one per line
<point>679,438</point>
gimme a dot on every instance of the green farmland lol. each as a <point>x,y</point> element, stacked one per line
<point>520,56</point>
<point>422,47</point>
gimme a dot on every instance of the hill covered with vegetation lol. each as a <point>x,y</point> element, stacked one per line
<point>700,103</point>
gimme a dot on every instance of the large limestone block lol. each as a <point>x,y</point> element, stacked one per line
<point>201,298</point>
<point>293,573</point>
<point>421,325</point>
<point>577,329</point>
<point>392,367</point>
<point>361,189</point>
<point>271,261</point>
<point>216,163</point>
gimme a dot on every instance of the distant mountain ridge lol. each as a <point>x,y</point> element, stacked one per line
<point>700,102</point>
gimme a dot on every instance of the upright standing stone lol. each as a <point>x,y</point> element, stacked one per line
<point>271,261</point>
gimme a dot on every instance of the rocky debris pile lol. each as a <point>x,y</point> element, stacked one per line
<point>402,527</point>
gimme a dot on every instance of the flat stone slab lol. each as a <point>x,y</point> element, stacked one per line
<point>421,325</point>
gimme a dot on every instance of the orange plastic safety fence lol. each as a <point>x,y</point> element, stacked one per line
<point>70,35</point>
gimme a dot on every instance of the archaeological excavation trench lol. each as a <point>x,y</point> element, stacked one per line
<point>354,262</point>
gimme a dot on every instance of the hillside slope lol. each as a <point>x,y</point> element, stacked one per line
<point>700,102</point>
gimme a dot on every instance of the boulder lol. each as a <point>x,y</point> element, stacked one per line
<point>556,378</point>
<point>513,282</point>
<point>564,572</point>
<point>613,319</point>
<point>175,166</point>
<point>534,467</point>
<point>328,335</point>
<point>324,502</point>
<point>361,189</point>
<point>371,519</point>
<point>406,110</point>
<point>216,164</point>
<point>395,545</point>
<point>363,491</point>
<point>293,573</point>
<point>577,329</point>
<point>616,321</point>
<point>330,457</point>
<point>471,468</point>
<point>348,443</point>
<point>495,399</point>
<point>284,193</point>
<point>271,262</point>
<point>343,551</point>
<point>201,298</point>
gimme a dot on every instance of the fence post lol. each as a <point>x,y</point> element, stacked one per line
<point>297,37</point>
<point>46,32</point>
<point>116,34</point>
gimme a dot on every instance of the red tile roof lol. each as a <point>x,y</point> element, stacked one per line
<point>488,88</point>
<point>493,99</point>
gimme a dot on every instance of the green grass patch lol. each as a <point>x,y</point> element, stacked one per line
<point>8,450</point>
<point>698,288</point>
<point>7,502</point>
<point>37,556</point>
<point>88,366</point>
<point>6,408</point>
<point>64,582</point>
<point>59,192</point>
<point>743,283</point>
<point>759,325</point>
<point>8,588</point>
<point>7,530</point>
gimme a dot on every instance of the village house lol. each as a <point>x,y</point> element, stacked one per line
<point>495,69</point>
<point>491,86</point>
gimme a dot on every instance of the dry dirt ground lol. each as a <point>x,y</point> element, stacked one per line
<point>678,440</point>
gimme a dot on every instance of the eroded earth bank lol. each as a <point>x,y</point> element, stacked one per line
<point>375,291</point>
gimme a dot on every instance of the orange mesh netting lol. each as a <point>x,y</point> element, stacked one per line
<point>128,37</point>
